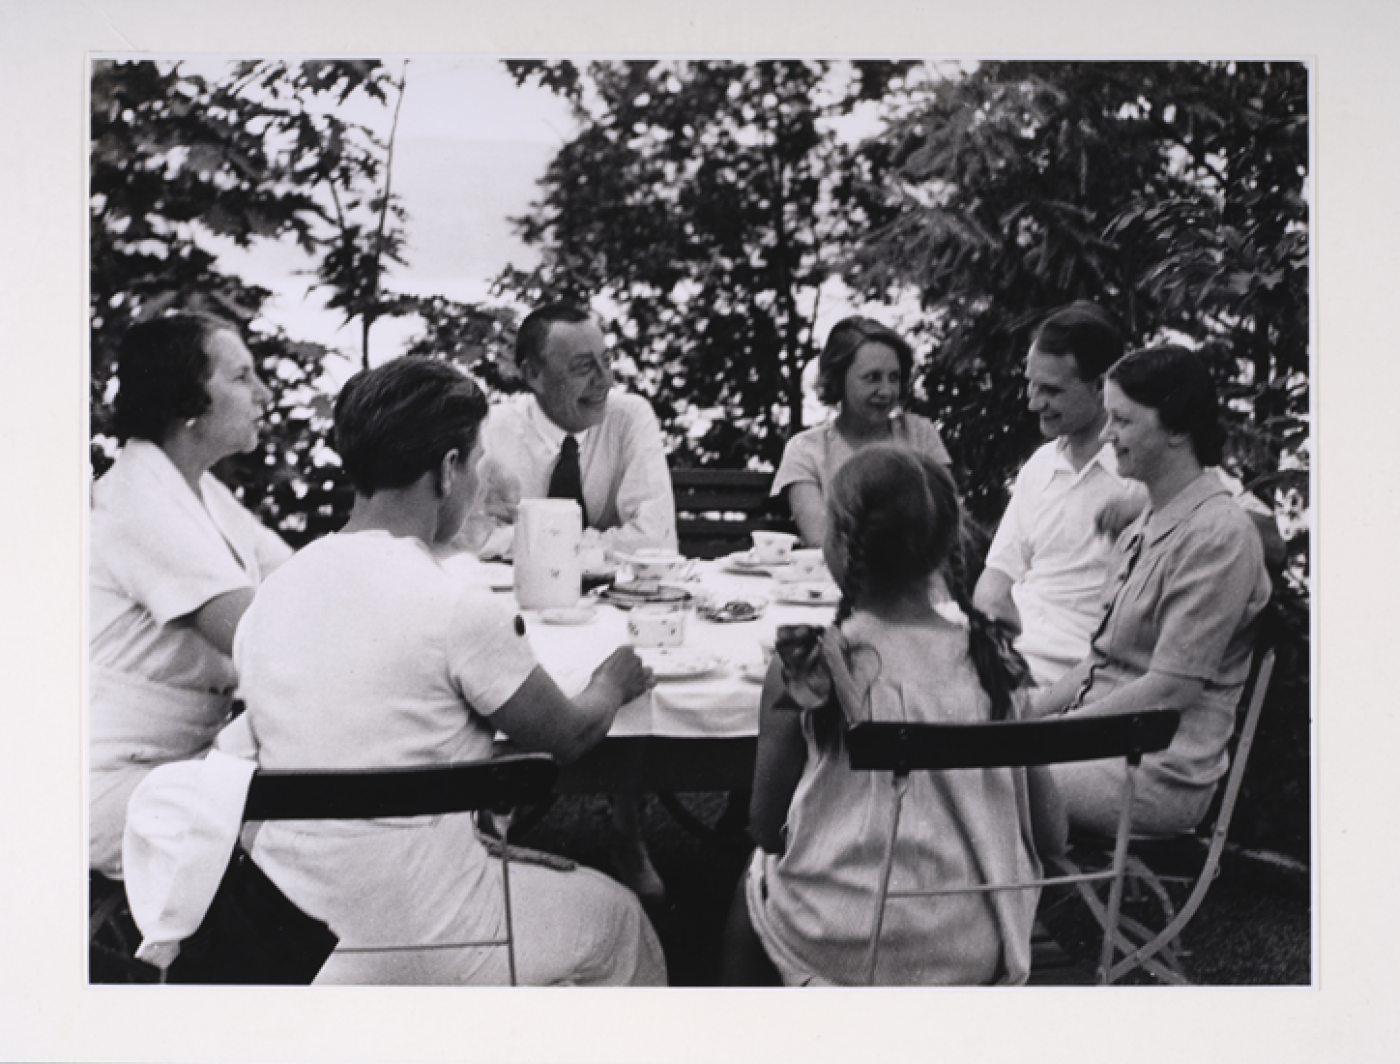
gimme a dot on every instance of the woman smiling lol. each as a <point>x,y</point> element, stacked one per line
<point>864,371</point>
<point>1186,584</point>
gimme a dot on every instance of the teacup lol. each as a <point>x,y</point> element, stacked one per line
<point>654,563</point>
<point>656,626</point>
<point>772,548</point>
<point>808,563</point>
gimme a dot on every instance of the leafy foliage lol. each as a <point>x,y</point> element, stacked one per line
<point>1173,193</point>
<point>179,159</point>
<point>706,202</point>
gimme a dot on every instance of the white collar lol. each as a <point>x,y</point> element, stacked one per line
<point>548,430</point>
<point>149,459</point>
<point>1104,457</point>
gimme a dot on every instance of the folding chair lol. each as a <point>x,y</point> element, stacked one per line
<point>1159,951</point>
<point>499,785</point>
<point>904,748</point>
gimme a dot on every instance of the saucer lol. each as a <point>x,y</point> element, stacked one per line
<point>569,615</point>
<point>809,594</point>
<point>674,663</point>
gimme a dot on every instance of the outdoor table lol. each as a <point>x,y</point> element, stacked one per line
<point>696,734</point>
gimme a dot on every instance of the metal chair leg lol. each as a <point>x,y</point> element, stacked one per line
<point>503,822</point>
<point>901,785</point>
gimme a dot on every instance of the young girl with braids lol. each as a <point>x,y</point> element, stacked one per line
<point>894,526</point>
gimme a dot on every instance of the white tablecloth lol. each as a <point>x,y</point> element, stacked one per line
<point>719,704</point>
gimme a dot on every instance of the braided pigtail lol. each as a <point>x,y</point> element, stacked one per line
<point>828,721</point>
<point>854,575</point>
<point>1000,667</point>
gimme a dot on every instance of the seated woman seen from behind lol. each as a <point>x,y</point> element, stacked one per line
<point>363,652</point>
<point>1186,585</point>
<point>174,561</point>
<point>807,901</point>
<point>865,371</point>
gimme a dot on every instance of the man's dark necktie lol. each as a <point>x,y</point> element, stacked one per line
<point>566,482</point>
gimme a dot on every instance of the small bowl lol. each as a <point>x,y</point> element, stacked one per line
<point>730,609</point>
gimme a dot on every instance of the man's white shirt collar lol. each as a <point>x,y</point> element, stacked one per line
<point>1104,456</point>
<point>548,430</point>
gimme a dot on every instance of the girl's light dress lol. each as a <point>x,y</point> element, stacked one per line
<point>813,907</point>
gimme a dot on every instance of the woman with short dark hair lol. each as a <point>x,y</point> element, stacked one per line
<point>174,560</point>
<point>363,652</point>
<point>865,371</point>
<point>1186,584</point>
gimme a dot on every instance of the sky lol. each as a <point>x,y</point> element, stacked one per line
<point>470,147</point>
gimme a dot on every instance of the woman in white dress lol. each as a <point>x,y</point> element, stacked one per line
<point>174,560</point>
<point>364,652</point>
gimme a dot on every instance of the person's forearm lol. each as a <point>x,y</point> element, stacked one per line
<point>778,764</point>
<point>649,523</point>
<point>595,708</point>
<point>808,512</point>
<point>1155,690</point>
<point>993,597</point>
<point>1057,697</point>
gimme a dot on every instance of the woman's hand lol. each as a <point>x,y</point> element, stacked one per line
<point>623,676</point>
<point>1117,514</point>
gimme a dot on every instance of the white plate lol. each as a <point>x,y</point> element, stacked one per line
<point>744,562</point>
<point>677,664</point>
<point>819,594</point>
<point>569,615</point>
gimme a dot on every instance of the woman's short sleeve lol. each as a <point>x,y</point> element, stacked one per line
<point>488,653</point>
<point>162,556</point>
<point>801,462</point>
<point>1215,582</point>
<point>925,438</point>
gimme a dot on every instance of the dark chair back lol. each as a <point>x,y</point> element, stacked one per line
<point>254,934</point>
<point>902,748</point>
<point>717,510</point>
<point>898,747</point>
<point>499,785</point>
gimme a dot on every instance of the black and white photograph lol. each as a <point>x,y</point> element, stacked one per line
<point>753,370</point>
<point>755,523</point>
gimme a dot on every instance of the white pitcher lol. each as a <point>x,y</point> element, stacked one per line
<point>548,533</point>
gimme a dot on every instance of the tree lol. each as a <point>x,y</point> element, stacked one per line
<point>1170,192</point>
<point>707,203</point>
<point>1173,193</point>
<point>180,160</point>
<point>343,163</point>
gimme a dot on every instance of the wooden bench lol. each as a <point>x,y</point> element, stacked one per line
<point>718,509</point>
